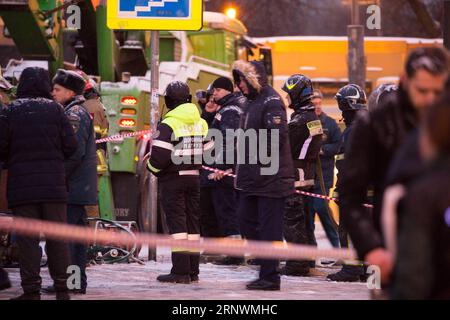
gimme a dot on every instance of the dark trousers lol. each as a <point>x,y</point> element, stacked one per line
<point>319,206</point>
<point>225,205</point>
<point>76,215</point>
<point>209,226</point>
<point>343,233</point>
<point>261,218</point>
<point>297,228</point>
<point>181,204</point>
<point>30,253</point>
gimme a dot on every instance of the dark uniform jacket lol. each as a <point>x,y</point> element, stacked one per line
<point>35,138</point>
<point>227,118</point>
<point>81,167</point>
<point>264,110</point>
<point>179,143</point>
<point>374,140</point>
<point>305,136</point>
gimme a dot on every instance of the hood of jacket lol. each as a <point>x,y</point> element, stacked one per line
<point>254,74</point>
<point>34,83</point>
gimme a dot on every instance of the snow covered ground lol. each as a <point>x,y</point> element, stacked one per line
<point>134,281</point>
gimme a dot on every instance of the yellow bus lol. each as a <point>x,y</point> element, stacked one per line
<point>324,60</point>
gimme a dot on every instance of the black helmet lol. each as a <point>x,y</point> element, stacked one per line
<point>300,90</point>
<point>351,98</point>
<point>377,95</point>
<point>177,93</point>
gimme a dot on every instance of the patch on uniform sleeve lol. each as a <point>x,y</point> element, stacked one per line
<point>315,127</point>
<point>74,120</point>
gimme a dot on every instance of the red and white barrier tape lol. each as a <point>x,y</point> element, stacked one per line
<point>226,246</point>
<point>297,191</point>
<point>119,137</point>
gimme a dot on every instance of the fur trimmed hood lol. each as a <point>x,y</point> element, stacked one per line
<point>253,72</point>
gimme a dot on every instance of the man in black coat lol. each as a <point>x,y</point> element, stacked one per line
<point>224,195</point>
<point>35,139</point>
<point>209,226</point>
<point>264,184</point>
<point>81,167</point>
<point>375,139</point>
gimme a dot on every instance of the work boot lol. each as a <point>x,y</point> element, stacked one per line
<point>347,274</point>
<point>174,278</point>
<point>264,285</point>
<point>194,277</point>
<point>4,280</point>
<point>28,296</point>
<point>194,261</point>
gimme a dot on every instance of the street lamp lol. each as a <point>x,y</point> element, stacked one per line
<point>231,12</point>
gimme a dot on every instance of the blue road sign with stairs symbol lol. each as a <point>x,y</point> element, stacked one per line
<point>177,9</point>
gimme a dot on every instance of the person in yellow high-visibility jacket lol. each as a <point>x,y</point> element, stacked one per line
<point>176,158</point>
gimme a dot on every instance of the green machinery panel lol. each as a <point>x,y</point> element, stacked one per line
<point>128,111</point>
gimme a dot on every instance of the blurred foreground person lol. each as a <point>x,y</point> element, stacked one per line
<point>375,139</point>
<point>35,139</point>
<point>423,249</point>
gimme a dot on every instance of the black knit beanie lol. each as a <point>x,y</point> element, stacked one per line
<point>223,83</point>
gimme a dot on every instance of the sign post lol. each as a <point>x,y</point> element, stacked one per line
<point>154,118</point>
<point>154,15</point>
<point>356,55</point>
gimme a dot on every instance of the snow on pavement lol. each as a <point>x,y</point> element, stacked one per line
<point>135,281</point>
